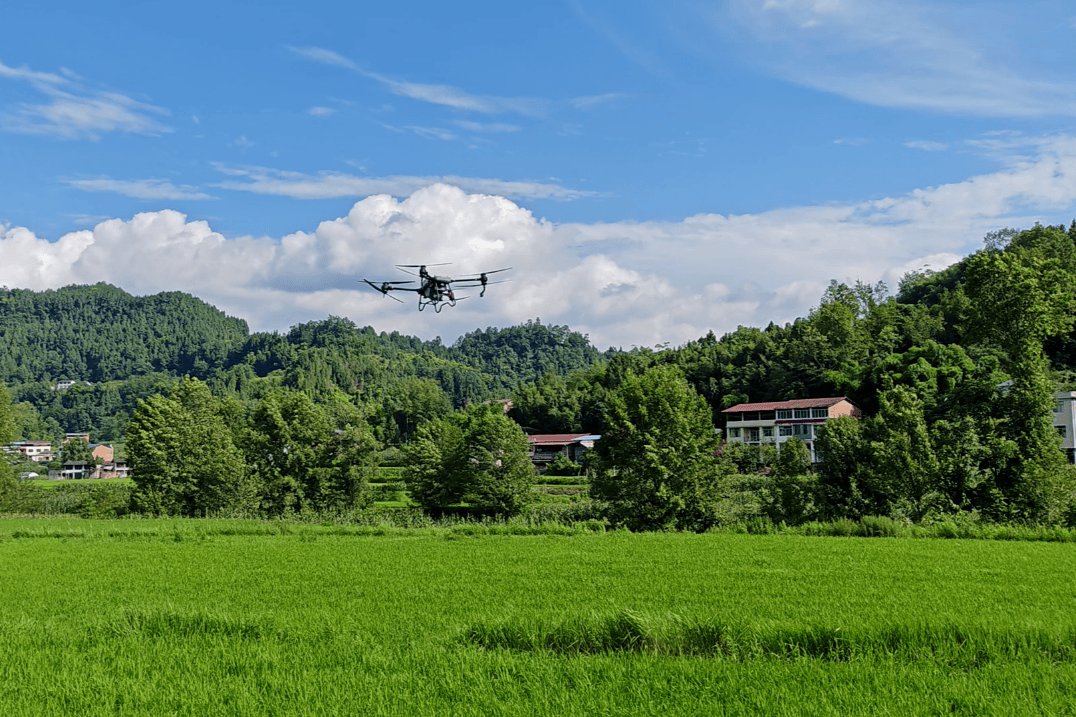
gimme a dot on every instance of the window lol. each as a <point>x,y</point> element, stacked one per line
<point>802,413</point>
<point>1061,431</point>
<point>786,430</point>
<point>752,434</point>
<point>819,413</point>
<point>735,417</point>
<point>803,431</point>
<point>1058,406</point>
<point>734,433</point>
<point>767,432</point>
<point>784,414</point>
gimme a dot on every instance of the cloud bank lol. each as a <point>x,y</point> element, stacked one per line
<point>623,283</point>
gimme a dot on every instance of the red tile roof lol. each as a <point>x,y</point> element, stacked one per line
<point>797,403</point>
<point>553,438</point>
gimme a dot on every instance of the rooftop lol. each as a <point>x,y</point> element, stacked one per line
<point>796,403</point>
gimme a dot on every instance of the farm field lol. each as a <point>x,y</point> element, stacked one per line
<point>189,617</point>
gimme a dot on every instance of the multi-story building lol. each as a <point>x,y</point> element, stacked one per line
<point>777,421</point>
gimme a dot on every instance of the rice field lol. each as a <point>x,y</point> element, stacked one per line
<point>215,617</point>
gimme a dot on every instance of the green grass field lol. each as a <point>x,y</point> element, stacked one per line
<point>186,617</point>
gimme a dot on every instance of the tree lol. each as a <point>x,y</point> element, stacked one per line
<point>657,468</point>
<point>8,426</point>
<point>76,449</point>
<point>1019,299</point>
<point>300,462</point>
<point>478,457</point>
<point>411,402</point>
<point>903,464</point>
<point>7,434</point>
<point>183,457</point>
<point>842,451</point>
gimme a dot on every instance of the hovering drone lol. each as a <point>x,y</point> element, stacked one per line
<point>435,291</point>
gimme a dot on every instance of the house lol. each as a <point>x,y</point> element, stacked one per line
<point>101,451</point>
<point>1064,420</point>
<point>776,421</point>
<point>36,451</point>
<point>545,447</point>
<point>115,469</point>
<point>73,436</point>
<point>73,470</point>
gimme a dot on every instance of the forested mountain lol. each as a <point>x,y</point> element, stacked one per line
<point>121,348</point>
<point>101,333</point>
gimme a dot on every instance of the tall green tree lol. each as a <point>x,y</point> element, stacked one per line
<point>903,465</point>
<point>657,468</point>
<point>478,457</point>
<point>183,456</point>
<point>301,462</point>
<point>1020,298</point>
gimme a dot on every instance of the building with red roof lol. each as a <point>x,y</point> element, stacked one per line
<point>775,422</point>
<point>545,446</point>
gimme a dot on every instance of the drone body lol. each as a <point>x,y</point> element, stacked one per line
<point>435,291</point>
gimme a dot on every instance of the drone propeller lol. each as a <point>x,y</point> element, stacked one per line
<point>478,275</point>
<point>386,287</point>
<point>416,266</point>
<point>475,282</point>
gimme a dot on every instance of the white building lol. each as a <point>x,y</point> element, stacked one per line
<point>777,421</point>
<point>1065,422</point>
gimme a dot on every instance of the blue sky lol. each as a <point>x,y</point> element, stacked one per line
<point>651,170</point>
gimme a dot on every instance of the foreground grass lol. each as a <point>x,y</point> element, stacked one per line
<point>254,617</point>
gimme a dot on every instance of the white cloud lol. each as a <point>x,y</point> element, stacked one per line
<point>433,133</point>
<point>895,54</point>
<point>624,283</point>
<point>242,142</point>
<point>589,101</point>
<point>326,185</point>
<point>322,111</point>
<point>75,112</point>
<point>139,188</point>
<point>487,127</point>
<point>444,95</point>
<point>927,145</point>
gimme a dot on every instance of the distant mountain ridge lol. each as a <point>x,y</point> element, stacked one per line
<point>130,346</point>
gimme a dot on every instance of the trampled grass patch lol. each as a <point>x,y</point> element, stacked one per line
<point>148,617</point>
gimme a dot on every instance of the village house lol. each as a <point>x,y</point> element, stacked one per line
<point>36,451</point>
<point>775,422</point>
<point>545,447</point>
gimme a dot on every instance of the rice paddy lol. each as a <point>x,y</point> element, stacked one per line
<point>189,617</point>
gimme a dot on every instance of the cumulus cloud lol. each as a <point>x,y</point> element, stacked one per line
<point>624,283</point>
<point>325,185</point>
<point>76,112</point>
